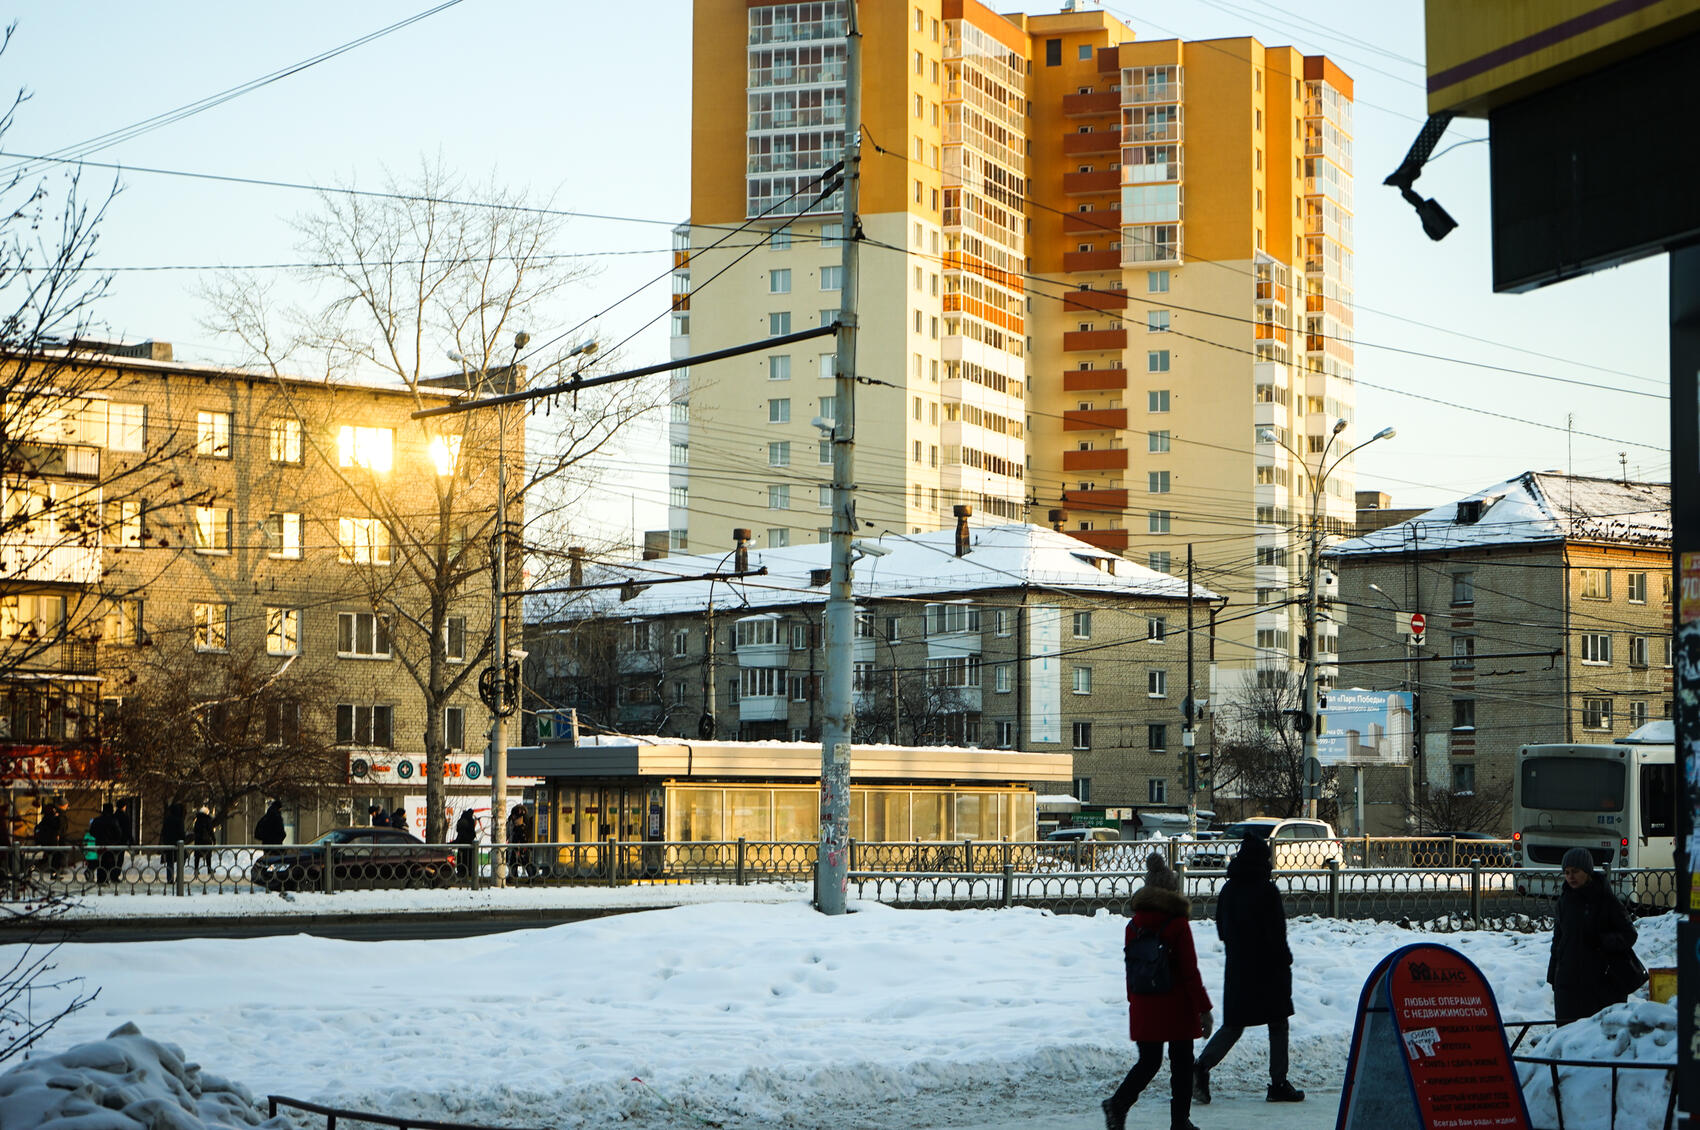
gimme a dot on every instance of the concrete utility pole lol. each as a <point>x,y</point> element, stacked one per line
<point>498,700</point>
<point>1189,740</point>
<point>832,862</point>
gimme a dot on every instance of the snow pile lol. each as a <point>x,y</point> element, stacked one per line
<point>124,1082</point>
<point>1639,1030</point>
<point>744,1014</point>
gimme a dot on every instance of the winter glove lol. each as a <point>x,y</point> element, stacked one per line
<point>1207,1021</point>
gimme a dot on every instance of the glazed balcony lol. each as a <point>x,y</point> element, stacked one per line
<point>1091,142</point>
<point>1087,105</point>
<point>1093,380</point>
<point>1094,419</point>
<point>1104,459</point>
<point>1103,300</point>
<point>1111,541</point>
<point>1097,501</point>
<point>1097,181</point>
<point>1108,260</point>
<point>1080,341</point>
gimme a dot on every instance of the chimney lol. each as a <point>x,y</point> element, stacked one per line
<point>963,513</point>
<point>1058,517</point>
<point>575,565</point>
<point>741,547</point>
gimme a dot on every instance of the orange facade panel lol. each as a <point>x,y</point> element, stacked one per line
<point>958,261</point>
<point>1108,459</point>
<point>1092,141</point>
<point>1111,541</point>
<point>1097,102</point>
<point>974,308</point>
<point>1092,260</point>
<point>1091,223</point>
<point>1094,419</point>
<point>1098,500</point>
<point>1101,180</point>
<point>1095,300</point>
<point>1077,341</point>
<point>1094,380</point>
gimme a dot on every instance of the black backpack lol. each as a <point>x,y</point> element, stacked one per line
<point>1149,972</point>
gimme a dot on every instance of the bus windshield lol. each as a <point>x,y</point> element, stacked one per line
<point>1575,784</point>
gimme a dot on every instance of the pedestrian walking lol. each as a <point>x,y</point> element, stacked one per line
<point>519,832</point>
<point>378,817</point>
<point>1593,962</point>
<point>1166,1001</point>
<point>269,830</point>
<point>172,831</point>
<point>204,837</point>
<point>466,834</point>
<point>107,833</point>
<point>49,834</point>
<point>1257,984</point>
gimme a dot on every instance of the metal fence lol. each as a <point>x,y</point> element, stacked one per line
<point>1066,877</point>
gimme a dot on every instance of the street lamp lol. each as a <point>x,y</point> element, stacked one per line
<point>1318,482</point>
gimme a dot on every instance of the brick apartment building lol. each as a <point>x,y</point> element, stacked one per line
<point>265,519</point>
<point>1548,606</point>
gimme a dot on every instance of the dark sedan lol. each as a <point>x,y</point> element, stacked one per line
<point>361,857</point>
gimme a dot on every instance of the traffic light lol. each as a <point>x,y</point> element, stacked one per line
<point>1206,763</point>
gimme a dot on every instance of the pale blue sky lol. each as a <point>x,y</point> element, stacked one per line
<point>587,105</point>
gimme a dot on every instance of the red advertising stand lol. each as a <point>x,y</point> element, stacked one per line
<point>1429,1050</point>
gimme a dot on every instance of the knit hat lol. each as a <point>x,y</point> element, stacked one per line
<point>1157,873</point>
<point>1580,858</point>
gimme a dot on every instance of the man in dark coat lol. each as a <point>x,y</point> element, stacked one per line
<point>172,831</point>
<point>108,833</point>
<point>50,833</point>
<point>466,833</point>
<point>1257,983</point>
<point>1176,1017</point>
<point>204,837</point>
<point>269,830</point>
<point>1590,932</point>
<point>519,832</point>
<point>378,817</point>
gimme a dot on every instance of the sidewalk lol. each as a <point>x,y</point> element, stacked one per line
<point>1228,1112</point>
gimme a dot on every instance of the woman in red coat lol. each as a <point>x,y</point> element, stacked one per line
<point>1177,1017</point>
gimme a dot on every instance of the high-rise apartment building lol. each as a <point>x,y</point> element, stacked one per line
<point>1105,284</point>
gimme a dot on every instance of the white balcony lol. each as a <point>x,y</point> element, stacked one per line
<point>50,564</point>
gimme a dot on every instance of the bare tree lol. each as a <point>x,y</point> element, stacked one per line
<point>435,287</point>
<point>32,999</point>
<point>1259,752</point>
<point>1470,811</point>
<point>223,729</point>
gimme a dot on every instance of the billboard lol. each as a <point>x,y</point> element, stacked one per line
<point>1365,728</point>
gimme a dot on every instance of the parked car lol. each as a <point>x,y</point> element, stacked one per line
<point>1093,849</point>
<point>1496,852</point>
<point>1295,844</point>
<point>363,857</point>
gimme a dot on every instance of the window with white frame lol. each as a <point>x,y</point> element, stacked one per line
<point>1596,648</point>
<point>779,367</point>
<point>212,529</point>
<point>1593,584</point>
<point>1638,651</point>
<point>1083,625</point>
<point>779,281</point>
<point>1083,680</point>
<point>372,449</point>
<point>1156,683</point>
<point>358,724</point>
<point>1000,622</point>
<point>779,496</point>
<point>121,623</point>
<point>1083,735</point>
<point>1156,737</point>
<point>362,541</point>
<point>779,411</point>
<point>942,619</point>
<point>832,277</point>
<point>1157,321</point>
<point>454,639</point>
<point>212,626</point>
<point>1157,521</point>
<point>1637,714</point>
<point>1157,482</point>
<point>779,454</point>
<point>1464,587</point>
<point>283,631</point>
<point>778,323</point>
<point>954,671</point>
<point>127,427</point>
<point>1002,678</point>
<point>122,522</point>
<point>681,641</point>
<point>1463,652</point>
<point>283,535</point>
<point>285,440</point>
<point>1156,629</point>
<point>1159,561</point>
<point>1596,713</point>
<point>862,677</point>
<point>362,635</point>
<point>1006,734</point>
<point>1635,588</point>
<point>1157,361</point>
<point>761,682</point>
<point>1157,441</point>
<point>756,633</point>
<point>212,435</point>
<point>1156,790</point>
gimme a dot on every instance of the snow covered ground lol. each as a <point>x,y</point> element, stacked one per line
<point>737,1013</point>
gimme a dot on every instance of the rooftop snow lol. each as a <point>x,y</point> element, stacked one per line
<point>1536,506</point>
<point>999,557</point>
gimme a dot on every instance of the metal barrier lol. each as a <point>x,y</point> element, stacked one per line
<point>401,1122</point>
<point>1553,1064</point>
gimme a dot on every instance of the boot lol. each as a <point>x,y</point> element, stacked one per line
<point>1284,1092</point>
<point>1201,1087</point>
<point>1111,1122</point>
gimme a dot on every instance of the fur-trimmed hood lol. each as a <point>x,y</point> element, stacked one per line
<point>1162,901</point>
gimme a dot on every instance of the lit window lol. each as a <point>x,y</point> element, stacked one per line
<point>283,535</point>
<point>283,631</point>
<point>362,541</point>
<point>371,448</point>
<point>212,627</point>
<point>212,434</point>
<point>285,444</point>
<point>445,454</point>
<point>127,427</point>
<point>212,529</point>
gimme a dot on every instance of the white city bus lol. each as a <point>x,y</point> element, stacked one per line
<point>1617,800</point>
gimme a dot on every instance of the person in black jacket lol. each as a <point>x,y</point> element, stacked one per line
<point>1591,930</point>
<point>269,830</point>
<point>466,834</point>
<point>173,830</point>
<point>204,836</point>
<point>1257,983</point>
<point>108,833</point>
<point>50,833</point>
